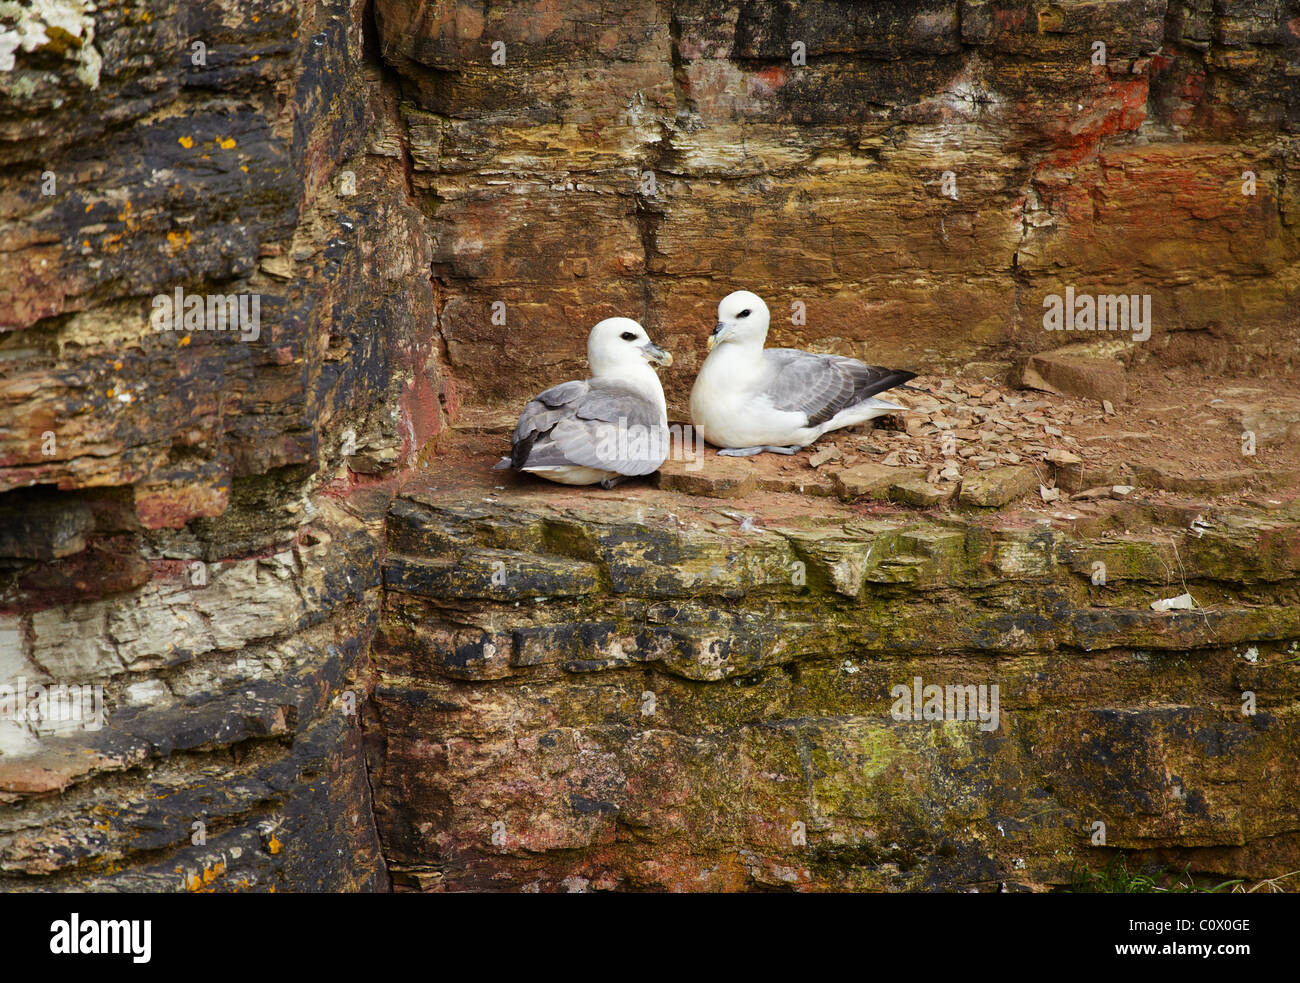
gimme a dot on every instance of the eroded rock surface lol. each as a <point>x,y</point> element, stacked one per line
<point>308,679</point>
<point>920,185</point>
<point>641,692</point>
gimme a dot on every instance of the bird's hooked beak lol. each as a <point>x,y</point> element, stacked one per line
<point>720,334</point>
<point>656,355</point>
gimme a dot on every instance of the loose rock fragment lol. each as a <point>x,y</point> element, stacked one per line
<point>1090,494</point>
<point>822,456</point>
<point>1057,456</point>
<point>1072,374</point>
<point>998,486</point>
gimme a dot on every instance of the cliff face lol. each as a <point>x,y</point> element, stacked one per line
<point>308,673</point>
<point>919,184</point>
<point>651,694</point>
<point>167,530</point>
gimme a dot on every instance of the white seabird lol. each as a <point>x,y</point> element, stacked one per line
<point>748,399</point>
<point>606,428</point>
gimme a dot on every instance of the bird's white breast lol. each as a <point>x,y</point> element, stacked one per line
<point>727,404</point>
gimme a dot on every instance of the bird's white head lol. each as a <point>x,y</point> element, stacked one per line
<point>742,319</point>
<point>619,347</point>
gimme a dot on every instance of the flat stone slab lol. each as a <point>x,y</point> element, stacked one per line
<point>713,477</point>
<point>920,493</point>
<point>872,480</point>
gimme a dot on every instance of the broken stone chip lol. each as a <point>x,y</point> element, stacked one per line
<point>822,456</point>
<point>1056,456</point>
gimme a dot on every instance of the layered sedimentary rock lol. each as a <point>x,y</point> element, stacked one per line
<point>166,540</point>
<point>646,694</point>
<point>917,176</point>
<point>305,680</point>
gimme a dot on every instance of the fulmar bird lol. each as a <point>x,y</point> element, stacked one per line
<point>748,399</point>
<point>606,428</point>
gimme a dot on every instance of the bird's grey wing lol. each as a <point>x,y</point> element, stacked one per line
<point>609,426</point>
<point>540,416</point>
<point>823,385</point>
<point>616,428</point>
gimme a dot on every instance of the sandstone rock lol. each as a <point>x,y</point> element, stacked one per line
<point>820,484</point>
<point>1073,477</point>
<point>490,574</point>
<point>1061,457</point>
<point>992,371</point>
<point>720,477</point>
<point>1150,476</point>
<point>921,493</point>
<point>871,480</point>
<point>819,458</point>
<point>998,486</point>
<point>1271,416</point>
<point>1073,374</point>
<point>95,572</point>
<point>42,529</point>
<point>430,234</point>
<point>670,741</point>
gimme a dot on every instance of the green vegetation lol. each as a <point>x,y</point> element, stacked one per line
<point>1116,878</point>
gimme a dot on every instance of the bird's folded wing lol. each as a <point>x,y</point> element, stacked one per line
<point>540,416</point>
<point>823,385</point>
<point>595,424</point>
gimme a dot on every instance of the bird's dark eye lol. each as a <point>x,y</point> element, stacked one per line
<point>628,336</point>
<point>744,313</point>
